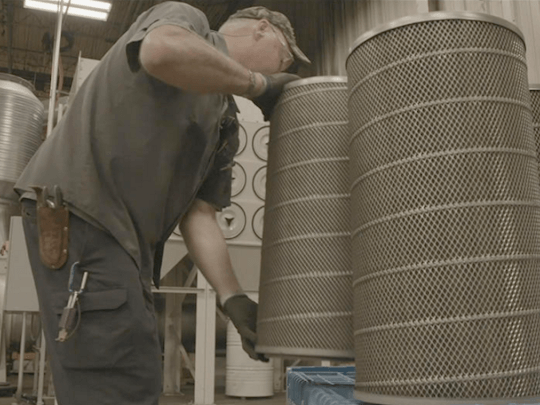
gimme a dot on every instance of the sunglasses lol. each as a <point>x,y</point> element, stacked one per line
<point>290,57</point>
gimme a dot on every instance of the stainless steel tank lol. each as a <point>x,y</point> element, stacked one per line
<point>305,286</point>
<point>21,125</point>
<point>445,204</point>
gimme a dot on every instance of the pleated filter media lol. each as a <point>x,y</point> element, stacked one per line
<point>306,286</point>
<point>445,202</point>
<point>535,104</point>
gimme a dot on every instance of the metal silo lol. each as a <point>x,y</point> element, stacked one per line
<point>21,126</point>
<point>445,203</point>
<point>305,287</point>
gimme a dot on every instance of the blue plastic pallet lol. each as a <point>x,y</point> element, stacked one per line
<point>321,386</point>
<point>327,386</point>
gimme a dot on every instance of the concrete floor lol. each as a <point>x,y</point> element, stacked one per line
<point>220,398</point>
<point>185,398</point>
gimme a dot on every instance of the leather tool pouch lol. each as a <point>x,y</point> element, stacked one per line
<point>53,226</point>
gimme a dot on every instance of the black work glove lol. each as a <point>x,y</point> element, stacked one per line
<point>243,314</point>
<point>274,86</point>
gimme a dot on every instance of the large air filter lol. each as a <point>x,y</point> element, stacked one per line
<point>535,103</point>
<point>21,125</point>
<point>306,276</point>
<point>445,205</point>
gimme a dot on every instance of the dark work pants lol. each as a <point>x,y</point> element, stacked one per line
<point>114,356</point>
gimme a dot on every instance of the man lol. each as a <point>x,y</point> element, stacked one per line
<point>147,143</point>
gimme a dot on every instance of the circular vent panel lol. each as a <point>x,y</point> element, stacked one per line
<point>242,139</point>
<point>260,143</point>
<point>259,183</point>
<point>238,179</point>
<point>232,221</point>
<point>258,222</point>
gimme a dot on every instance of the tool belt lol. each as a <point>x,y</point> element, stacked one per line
<point>53,227</point>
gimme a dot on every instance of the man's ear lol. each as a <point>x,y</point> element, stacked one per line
<point>261,28</point>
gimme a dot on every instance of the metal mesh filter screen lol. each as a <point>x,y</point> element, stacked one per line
<point>445,207</point>
<point>535,103</point>
<point>306,277</point>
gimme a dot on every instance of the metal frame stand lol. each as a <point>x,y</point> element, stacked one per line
<point>205,345</point>
<point>172,363</point>
<point>18,394</point>
<point>3,345</point>
<point>41,378</point>
<point>174,351</point>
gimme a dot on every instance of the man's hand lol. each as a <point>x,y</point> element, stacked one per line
<point>272,90</point>
<point>243,314</point>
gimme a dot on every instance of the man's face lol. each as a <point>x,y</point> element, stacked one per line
<point>271,54</point>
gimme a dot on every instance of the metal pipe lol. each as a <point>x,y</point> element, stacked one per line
<point>18,394</point>
<point>54,73</point>
<point>10,18</point>
<point>42,355</point>
<point>177,290</point>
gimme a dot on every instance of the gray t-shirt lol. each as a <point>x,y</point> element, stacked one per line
<point>132,152</point>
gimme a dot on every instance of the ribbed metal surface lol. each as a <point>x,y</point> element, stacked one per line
<point>21,124</point>
<point>305,288</point>
<point>445,205</point>
<point>245,377</point>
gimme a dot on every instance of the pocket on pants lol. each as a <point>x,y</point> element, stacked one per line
<point>29,211</point>
<point>104,333</point>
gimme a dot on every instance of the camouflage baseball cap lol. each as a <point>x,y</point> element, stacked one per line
<point>277,19</point>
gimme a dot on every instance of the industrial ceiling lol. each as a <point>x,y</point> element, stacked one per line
<point>26,36</point>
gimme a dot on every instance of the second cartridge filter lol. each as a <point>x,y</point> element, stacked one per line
<point>306,291</point>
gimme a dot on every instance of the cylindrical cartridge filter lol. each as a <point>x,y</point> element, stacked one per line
<point>535,104</point>
<point>445,206</point>
<point>245,377</point>
<point>306,287</point>
<point>21,125</point>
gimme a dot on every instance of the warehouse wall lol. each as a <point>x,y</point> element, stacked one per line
<point>345,21</point>
<point>524,13</point>
<point>327,30</point>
